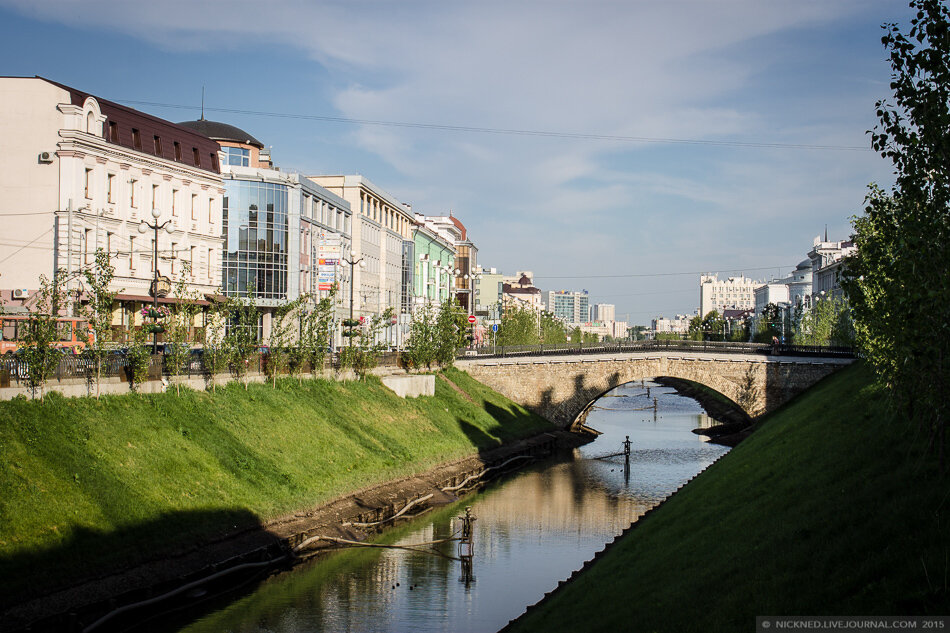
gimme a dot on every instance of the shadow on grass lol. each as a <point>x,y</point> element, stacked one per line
<point>92,555</point>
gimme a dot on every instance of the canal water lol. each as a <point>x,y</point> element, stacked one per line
<point>532,530</point>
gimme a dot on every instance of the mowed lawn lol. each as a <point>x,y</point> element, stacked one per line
<point>87,486</point>
<point>834,506</point>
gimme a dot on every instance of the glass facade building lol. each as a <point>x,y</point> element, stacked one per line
<point>256,232</point>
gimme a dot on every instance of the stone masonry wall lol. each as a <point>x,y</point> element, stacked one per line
<point>561,389</point>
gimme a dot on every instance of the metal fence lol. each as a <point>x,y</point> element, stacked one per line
<point>720,347</point>
<point>13,369</point>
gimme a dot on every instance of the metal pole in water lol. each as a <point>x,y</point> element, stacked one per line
<point>466,549</point>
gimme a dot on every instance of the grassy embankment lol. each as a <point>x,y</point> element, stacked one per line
<point>86,485</point>
<point>832,507</point>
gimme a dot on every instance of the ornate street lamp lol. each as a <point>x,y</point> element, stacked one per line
<point>351,322</point>
<point>156,227</point>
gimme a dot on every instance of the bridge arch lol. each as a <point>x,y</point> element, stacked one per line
<point>561,388</point>
<point>581,418</point>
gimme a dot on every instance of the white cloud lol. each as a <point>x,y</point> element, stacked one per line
<point>677,69</point>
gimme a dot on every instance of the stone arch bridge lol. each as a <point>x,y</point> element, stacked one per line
<point>561,388</point>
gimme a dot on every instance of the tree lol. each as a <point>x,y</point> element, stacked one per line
<point>283,323</point>
<point>98,312</point>
<point>695,332</point>
<point>43,332</point>
<point>827,323</point>
<point>314,341</point>
<point>899,274</point>
<point>214,356</point>
<point>421,346</point>
<point>714,326</point>
<point>365,354</point>
<point>552,329</point>
<point>451,328</point>
<point>240,341</point>
<point>770,324</point>
<point>519,326</point>
<point>179,327</point>
<point>138,357</point>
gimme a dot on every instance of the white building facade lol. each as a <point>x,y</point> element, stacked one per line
<point>79,173</point>
<point>719,294</point>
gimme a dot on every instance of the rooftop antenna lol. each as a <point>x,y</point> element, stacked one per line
<point>202,103</point>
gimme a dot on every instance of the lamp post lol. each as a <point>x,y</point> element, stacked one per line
<point>353,262</point>
<point>156,227</point>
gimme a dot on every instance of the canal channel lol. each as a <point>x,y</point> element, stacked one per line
<point>532,529</point>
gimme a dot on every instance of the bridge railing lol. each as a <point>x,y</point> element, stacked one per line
<point>720,347</point>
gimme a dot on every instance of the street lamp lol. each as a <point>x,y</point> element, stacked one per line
<point>351,323</point>
<point>156,227</point>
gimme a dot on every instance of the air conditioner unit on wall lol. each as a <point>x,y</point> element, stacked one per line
<point>21,293</point>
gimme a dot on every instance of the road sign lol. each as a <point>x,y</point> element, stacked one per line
<point>494,327</point>
<point>471,318</point>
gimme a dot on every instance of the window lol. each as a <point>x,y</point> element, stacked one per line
<point>108,243</point>
<point>193,248</point>
<point>174,259</point>
<point>113,131</point>
<point>210,259</point>
<point>136,139</point>
<point>85,245</point>
<point>178,151</point>
<point>194,206</point>
<point>157,140</point>
<point>237,156</point>
<point>211,210</point>
<point>132,184</point>
<point>197,156</point>
<point>154,196</point>
<point>110,188</point>
<point>214,161</point>
<point>174,202</point>
<point>132,252</point>
<point>87,187</point>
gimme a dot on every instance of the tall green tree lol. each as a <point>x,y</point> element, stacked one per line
<point>552,329</point>
<point>901,272</point>
<point>519,326</point>
<point>451,328</point>
<point>714,326</point>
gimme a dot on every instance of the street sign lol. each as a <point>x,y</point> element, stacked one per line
<point>471,318</point>
<point>494,327</point>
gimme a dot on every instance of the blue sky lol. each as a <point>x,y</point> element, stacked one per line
<point>746,83</point>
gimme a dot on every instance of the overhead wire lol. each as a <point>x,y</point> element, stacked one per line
<point>504,131</point>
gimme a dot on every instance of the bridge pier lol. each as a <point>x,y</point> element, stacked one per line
<point>560,389</point>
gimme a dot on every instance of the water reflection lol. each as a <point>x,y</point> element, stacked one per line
<point>532,530</point>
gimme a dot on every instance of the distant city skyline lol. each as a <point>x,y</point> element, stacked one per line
<point>622,148</point>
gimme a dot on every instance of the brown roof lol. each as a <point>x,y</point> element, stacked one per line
<point>122,120</point>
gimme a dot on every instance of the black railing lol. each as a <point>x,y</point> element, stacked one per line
<point>14,368</point>
<point>720,347</point>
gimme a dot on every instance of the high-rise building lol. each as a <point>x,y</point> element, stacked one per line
<point>603,312</point>
<point>570,306</point>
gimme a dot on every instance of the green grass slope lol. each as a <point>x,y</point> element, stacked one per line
<point>833,507</point>
<point>88,485</point>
